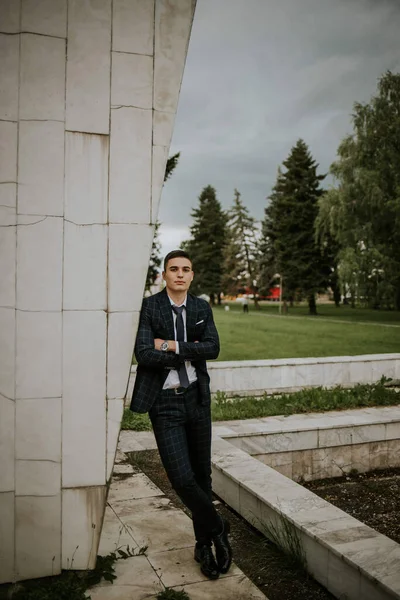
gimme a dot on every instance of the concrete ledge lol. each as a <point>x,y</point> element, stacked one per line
<point>328,445</point>
<point>256,377</point>
<point>346,556</point>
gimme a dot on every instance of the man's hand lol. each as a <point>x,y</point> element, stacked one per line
<point>171,344</point>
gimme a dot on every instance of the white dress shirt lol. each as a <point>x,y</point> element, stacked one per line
<point>172,380</point>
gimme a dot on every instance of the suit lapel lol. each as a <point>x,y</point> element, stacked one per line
<point>190,318</point>
<point>166,312</point>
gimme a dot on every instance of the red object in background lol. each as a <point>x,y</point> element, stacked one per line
<point>274,293</point>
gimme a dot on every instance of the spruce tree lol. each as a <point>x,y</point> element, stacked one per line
<point>206,244</point>
<point>289,228</point>
<point>241,252</point>
<point>268,266</point>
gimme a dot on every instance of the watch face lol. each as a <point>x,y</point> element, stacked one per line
<point>164,346</point>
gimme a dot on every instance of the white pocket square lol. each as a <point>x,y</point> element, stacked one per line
<point>198,322</point>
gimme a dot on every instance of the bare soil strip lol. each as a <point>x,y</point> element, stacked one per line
<point>372,498</point>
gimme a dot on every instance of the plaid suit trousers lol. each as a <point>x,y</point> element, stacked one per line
<point>182,427</point>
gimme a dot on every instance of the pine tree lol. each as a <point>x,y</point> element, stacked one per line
<point>289,228</point>
<point>206,244</point>
<point>155,257</point>
<point>241,252</point>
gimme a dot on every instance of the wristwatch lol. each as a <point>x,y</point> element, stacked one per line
<point>164,346</point>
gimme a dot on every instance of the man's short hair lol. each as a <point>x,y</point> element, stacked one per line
<point>176,254</point>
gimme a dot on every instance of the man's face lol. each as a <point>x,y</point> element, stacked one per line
<point>178,274</point>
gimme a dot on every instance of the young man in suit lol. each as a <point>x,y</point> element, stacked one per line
<point>176,336</point>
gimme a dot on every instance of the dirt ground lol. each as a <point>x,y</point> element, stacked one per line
<point>373,498</point>
<point>274,573</point>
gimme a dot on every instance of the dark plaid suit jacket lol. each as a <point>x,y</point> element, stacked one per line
<point>156,321</point>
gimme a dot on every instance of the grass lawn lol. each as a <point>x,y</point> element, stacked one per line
<point>334,332</point>
<point>304,401</point>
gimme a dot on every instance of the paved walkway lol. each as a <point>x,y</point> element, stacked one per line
<point>139,514</point>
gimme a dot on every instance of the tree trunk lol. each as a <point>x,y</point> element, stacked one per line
<point>312,306</point>
<point>212,299</point>
<point>397,298</point>
<point>336,292</point>
<point>336,296</point>
<point>219,299</point>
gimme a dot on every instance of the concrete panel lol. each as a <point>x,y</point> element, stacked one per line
<point>84,404</point>
<point>163,125</point>
<point>42,78</point>
<point>41,168</point>
<point>48,17</point>
<point>9,74</point>
<point>115,409</point>
<point>82,514</point>
<point>160,156</point>
<point>173,21</point>
<point>38,536</point>
<point>8,250</point>
<point>39,263</point>
<point>85,267</point>
<point>86,178</point>
<point>7,352</point>
<point>38,356</point>
<point>33,418</point>
<point>122,328</point>
<point>88,66</point>
<point>133,26</point>
<point>8,152</point>
<point>10,16</point>
<point>132,80</point>
<point>7,436</point>
<point>37,478</point>
<point>127,274</point>
<point>7,535</point>
<point>130,166</point>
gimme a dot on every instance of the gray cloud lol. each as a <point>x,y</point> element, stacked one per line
<point>259,75</point>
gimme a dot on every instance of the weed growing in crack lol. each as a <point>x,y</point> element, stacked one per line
<point>285,537</point>
<point>70,585</point>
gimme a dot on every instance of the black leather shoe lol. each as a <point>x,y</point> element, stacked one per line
<point>204,555</point>
<point>223,550</point>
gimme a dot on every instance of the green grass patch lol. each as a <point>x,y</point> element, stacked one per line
<point>325,311</point>
<point>304,401</point>
<point>266,335</point>
<point>135,421</point>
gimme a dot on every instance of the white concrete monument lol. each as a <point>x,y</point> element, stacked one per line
<point>88,95</point>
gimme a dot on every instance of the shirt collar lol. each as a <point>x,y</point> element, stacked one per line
<point>178,305</point>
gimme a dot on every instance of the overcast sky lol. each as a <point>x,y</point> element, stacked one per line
<point>259,75</point>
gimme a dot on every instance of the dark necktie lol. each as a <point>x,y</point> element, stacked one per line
<point>180,337</point>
